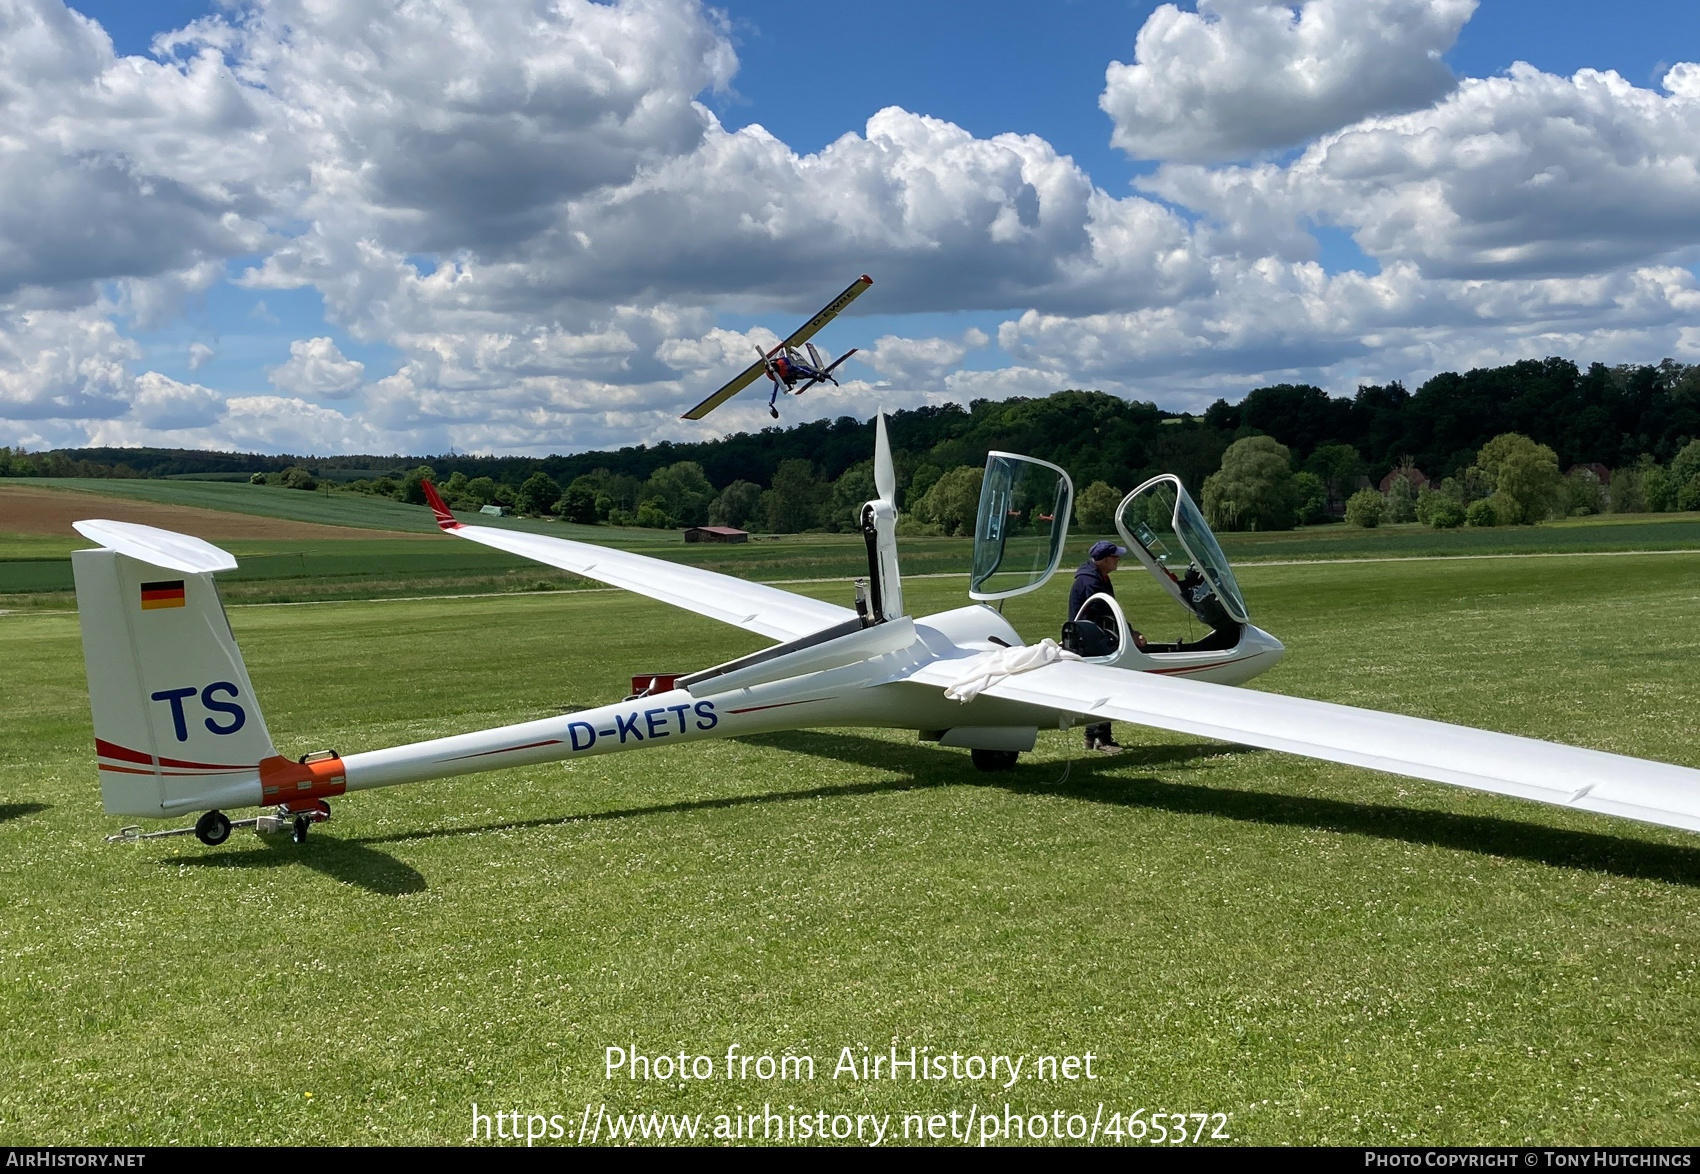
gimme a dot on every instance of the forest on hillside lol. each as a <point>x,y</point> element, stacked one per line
<point>812,475</point>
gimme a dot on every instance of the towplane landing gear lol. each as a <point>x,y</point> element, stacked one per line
<point>214,827</point>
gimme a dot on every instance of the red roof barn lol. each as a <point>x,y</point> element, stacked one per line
<point>716,534</point>
<point>1417,478</point>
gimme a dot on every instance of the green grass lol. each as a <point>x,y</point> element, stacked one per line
<point>35,571</point>
<point>1323,953</point>
<point>1600,533</point>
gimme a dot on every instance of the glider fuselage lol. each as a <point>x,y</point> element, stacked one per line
<point>872,692</point>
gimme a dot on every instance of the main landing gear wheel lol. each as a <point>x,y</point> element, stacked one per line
<point>298,832</point>
<point>994,759</point>
<point>213,828</point>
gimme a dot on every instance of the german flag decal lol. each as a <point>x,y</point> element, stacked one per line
<point>166,594</point>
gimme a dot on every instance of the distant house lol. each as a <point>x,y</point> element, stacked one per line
<point>716,534</point>
<point>1602,473</point>
<point>1417,478</point>
<point>493,510</point>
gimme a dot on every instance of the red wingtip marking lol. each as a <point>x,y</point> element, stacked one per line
<point>445,519</point>
<point>867,279</point>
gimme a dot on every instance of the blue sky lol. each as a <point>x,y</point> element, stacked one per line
<point>1185,281</point>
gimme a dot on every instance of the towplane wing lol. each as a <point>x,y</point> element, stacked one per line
<point>756,607</point>
<point>797,338</point>
<point>1506,764</point>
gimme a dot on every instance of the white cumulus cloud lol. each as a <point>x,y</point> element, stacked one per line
<point>317,368</point>
<point>162,403</point>
<point>123,167</point>
<point>1239,77</point>
<point>530,203</point>
<point>1524,174</point>
<point>921,358</point>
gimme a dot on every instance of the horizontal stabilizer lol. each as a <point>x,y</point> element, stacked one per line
<point>157,548</point>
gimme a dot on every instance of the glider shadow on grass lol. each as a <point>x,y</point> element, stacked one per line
<point>1090,779</point>
<point>684,807</point>
<point>349,861</point>
<point>947,769</point>
<point>10,811</point>
<point>1488,835</point>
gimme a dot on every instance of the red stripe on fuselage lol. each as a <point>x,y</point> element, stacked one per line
<point>775,705</point>
<point>1198,668</point>
<point>506,750</point>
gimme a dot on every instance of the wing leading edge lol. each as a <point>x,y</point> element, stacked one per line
<point>755,607</point>
<point>1613,784</point>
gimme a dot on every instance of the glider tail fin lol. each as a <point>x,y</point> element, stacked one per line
<point>879,528</point>
<point>177,727</point>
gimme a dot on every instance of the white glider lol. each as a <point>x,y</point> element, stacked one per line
<point>178,730</point>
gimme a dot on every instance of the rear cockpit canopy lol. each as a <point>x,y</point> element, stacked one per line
<point>1159,513</point>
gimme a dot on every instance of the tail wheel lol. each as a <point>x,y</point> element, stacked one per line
<point>298,832</point>
<point>995,759</point>
<point>213,828</point>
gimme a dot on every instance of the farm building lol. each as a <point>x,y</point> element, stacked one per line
<point>716,534</point>
<point>1417,478</point>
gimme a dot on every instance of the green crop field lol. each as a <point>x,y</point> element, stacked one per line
<point>35,571</point>
<point>1320,953</point>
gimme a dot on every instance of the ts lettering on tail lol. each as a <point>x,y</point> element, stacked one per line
<point>236,715</point>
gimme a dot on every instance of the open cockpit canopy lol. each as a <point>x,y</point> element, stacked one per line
<point>1021,525</point>
<point>1159,513</point>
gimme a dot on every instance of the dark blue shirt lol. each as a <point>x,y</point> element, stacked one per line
<point>1088,581</point>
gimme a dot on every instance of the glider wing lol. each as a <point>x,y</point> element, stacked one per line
<point>798,337</point>
<point>1613,784</point>
<point>756,607</point>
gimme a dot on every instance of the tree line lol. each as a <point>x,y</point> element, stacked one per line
<point>1511,480</point>
<point>1634,420</point>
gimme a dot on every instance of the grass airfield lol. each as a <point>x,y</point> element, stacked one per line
<point>416,561</point>
<point>1324,954</point>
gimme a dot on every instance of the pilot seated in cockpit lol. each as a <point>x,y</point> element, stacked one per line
<point>1224,629</point>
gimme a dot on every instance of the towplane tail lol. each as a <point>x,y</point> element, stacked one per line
<point>177,727</point>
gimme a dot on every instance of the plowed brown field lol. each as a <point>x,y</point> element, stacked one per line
<point>35,510</point>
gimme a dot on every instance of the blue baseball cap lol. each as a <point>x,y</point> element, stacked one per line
<point>1105,550</point>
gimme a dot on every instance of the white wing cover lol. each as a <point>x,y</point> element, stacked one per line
<point>777,614</point>
<point>1613,784</point>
